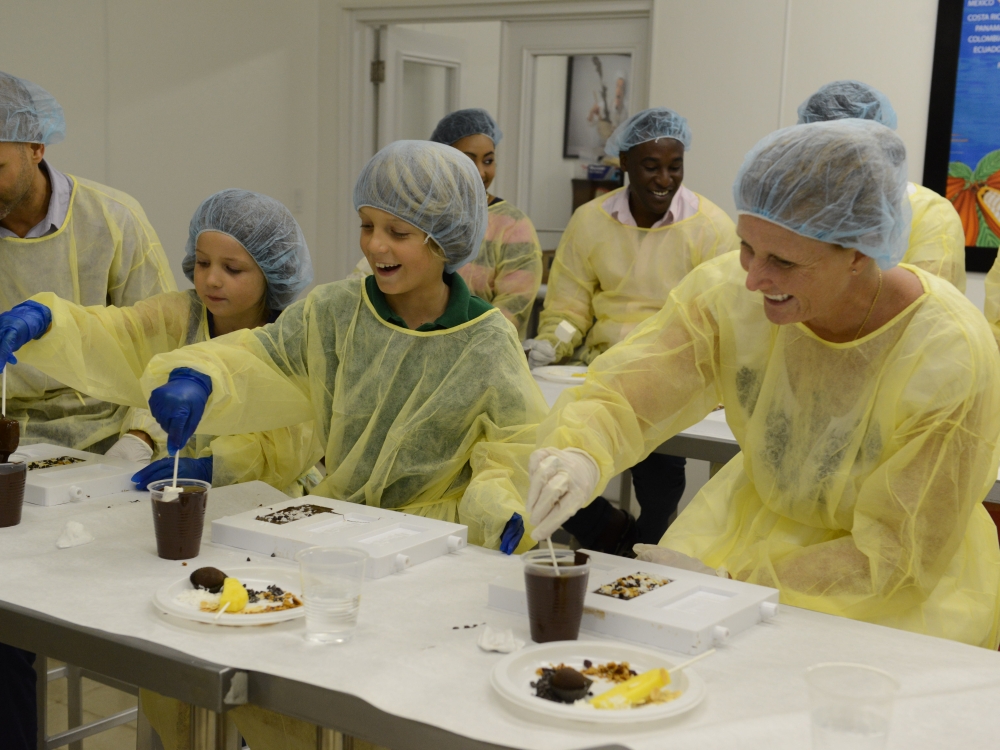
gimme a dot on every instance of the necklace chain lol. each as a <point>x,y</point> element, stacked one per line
<point>872,308</point>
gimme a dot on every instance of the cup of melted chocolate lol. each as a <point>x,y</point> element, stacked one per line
<point>10,437</point>
<point>555,597</point>
<point>12,475</point>
<point>179,516</point>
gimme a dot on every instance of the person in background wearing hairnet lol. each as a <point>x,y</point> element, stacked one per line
<point>865,397</point>
<point>420,389</point>
<point>937,239</point>
<point>86,243</point>
<point>508,269</point>
<point>617,261</point>
<point>248,261</point>
<point>82,241</point>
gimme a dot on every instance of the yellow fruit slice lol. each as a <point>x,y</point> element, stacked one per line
<point>233,594</point>
<point>632,692</point>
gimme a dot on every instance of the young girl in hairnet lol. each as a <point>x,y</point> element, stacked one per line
<point>248,260</point>
<point>419,390</point>
<point>507,270</point>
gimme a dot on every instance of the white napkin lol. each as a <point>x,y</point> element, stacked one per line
<point>498,640</point>
<point>73,536</point>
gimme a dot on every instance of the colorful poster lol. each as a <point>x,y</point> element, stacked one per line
<point>974,164</point>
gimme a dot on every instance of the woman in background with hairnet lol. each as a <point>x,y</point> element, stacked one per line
<point>507,271</point>
<point>617,261</point>
<point>937,239</point>
<point>248,261</point>
<point>865,397</point>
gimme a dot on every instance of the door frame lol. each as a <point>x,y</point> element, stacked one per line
<point>355,140</point>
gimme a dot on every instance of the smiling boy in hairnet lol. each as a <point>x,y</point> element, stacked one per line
<point>419,390</point>
<point>617,261</point>
<point>937,240</point>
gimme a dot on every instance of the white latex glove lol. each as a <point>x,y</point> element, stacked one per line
<point>131,448</point>
<point>663,556</point>
<point>562,481</point>
<point>540,353</point>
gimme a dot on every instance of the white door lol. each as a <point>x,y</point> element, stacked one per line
<point>531,168</point>
<point>421,85</point>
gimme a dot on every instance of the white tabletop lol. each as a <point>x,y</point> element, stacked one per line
<point>409,660</point>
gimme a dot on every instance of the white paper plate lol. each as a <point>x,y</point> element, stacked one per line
<point>513,675</point>
<point>561,373</point>
<point>256,577</point>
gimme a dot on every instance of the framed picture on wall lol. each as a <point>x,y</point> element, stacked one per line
<point>597,101</point>
<point>962,158</point>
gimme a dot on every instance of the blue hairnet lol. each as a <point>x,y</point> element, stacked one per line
<point>466,122</point>
<point>433,187</point>
<point>842,182</point>
<point>842,99</point>
<point>648,125</point>
<point>29,113</point>
<point>267,230</point>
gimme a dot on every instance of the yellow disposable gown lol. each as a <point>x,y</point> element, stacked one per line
<point>105,253</point>
<point>864,466</point>
<point>607,277</point>
<point>508,269</point>
<point>937,240</point>
<point>436,423</point>
<point>102,351</point>
<point>991,307</point>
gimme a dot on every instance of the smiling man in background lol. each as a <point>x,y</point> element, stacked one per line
<point>617,261</point>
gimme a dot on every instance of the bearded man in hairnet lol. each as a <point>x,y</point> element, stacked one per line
<point>89,244</point>
<point>865,396</point>
<point>617,261</point>
<point>937,239</point>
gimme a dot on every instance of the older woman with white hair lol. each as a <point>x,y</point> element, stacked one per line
<point>865,396</point>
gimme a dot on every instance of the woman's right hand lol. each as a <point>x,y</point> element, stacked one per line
<point>19,325</point>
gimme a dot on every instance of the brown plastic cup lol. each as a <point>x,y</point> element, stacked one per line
<point>12,475</point>
<point>555,601</point>
<point>179,523</point>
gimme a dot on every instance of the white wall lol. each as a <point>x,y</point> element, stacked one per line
<point>728,67</point>
<point>171,102</point>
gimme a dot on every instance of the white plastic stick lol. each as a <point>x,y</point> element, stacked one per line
<point>553,553</point>
<point>3,409</point>
<point>224,608</point>
<point>689,662</point>
<point>177,460</point>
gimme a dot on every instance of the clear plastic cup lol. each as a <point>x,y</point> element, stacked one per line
<point>851,706</point>
<point>12,476</point>
<point>179,523</point>
<point>331,591</point>
<point>555,598</point>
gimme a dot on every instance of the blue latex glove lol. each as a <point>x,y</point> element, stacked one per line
<point>512,534</point>
<point>179,404</point>
<point>19,325</point>
<point>188,468</point>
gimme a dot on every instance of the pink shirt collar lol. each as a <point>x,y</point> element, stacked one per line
<point>683,206</point>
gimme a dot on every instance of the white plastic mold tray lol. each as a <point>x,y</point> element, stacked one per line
<point>395,541</point>
<point>690,614</point>
<point>81,475</point>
